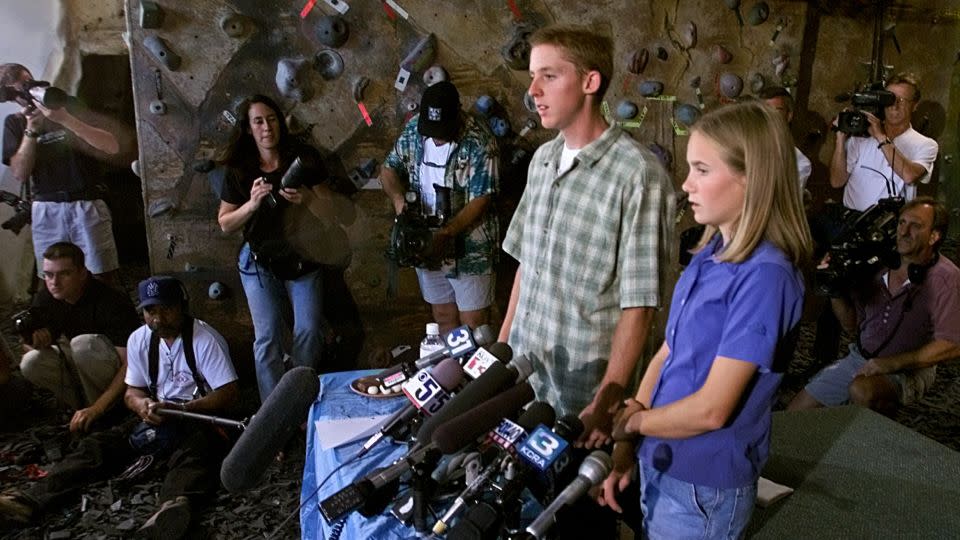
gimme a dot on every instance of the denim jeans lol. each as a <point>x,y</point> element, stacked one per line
<point>268,298</point>
<point>674,509</point>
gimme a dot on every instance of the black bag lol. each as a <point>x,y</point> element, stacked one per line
<point>277,256</point>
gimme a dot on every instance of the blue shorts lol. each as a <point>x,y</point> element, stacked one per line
<point>831,386</point>
<point>673,508</point>
<point>471,293</point>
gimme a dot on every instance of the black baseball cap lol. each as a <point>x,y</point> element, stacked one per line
<point>440,111</point>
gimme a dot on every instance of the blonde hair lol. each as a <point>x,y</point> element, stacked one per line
<point>754,141</point>
<point>586,50</point>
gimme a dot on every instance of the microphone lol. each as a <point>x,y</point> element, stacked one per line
<point>446,375</point>
<point>484,358</point>
<point>280,414</point>
<point>537,475</point>
<point>543,449</point>
<point>592,471</point>
<point>505,436</point>
<point>461,341</point>
<point>215,420</point>
<point>448,438</point>
<point>523,366</point>
<point>496,379</point>
<point>292,178</point>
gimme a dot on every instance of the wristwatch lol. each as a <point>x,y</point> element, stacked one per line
<point>884,142</point>
<point>29,133</point>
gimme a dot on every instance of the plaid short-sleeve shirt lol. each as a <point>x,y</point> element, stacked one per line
<point>591,242</point>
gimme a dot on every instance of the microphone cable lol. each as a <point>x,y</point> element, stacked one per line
<point>337,527</point>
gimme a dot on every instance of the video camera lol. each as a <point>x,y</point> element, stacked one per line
<point>21,216</point>
<point>37,93</point>
<point>865,245</point>
<point>872,99</point>
<point>29,321</point>
<point>411,239</point>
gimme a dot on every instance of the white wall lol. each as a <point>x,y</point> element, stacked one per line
<point>27,36</point>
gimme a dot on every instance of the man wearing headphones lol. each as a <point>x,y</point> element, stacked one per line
<point>907,321</point>
<point>175,363</point>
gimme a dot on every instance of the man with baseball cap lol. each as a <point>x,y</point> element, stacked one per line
<point>444,147</point>
<point>174,363</point>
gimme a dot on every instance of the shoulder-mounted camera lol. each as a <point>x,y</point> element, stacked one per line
<point>412,236</point>
<point>872,99</point>
<point>867,243</point>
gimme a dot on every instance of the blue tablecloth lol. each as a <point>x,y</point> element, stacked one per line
<point>337,401</point>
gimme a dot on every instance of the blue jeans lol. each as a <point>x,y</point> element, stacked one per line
<point>269,298</point>
<point>674,509</point>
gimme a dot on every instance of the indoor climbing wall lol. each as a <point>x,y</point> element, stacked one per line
<point>348,74</point>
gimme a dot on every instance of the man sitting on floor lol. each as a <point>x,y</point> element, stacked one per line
<point>176,363</point>
<point>909,321</point>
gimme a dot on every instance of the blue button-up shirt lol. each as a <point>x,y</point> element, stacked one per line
<point>748,311</point>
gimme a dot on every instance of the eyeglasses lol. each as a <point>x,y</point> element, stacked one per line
<point>902,100</point>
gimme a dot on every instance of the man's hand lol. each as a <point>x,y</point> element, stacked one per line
<point>60,116</point>
<point>84,418</point>
<point>875,129</point>
<point>623,430</point>
<point>441,239</point>
<point>34,117</point>
<point>146,410</point>
<point>624,469</point>
<point>41,339</point>
<point>871,368</point>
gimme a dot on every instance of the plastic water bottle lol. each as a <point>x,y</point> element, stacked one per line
<point>431,342</point>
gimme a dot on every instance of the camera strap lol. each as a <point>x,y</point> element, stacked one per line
<point>153,357</point>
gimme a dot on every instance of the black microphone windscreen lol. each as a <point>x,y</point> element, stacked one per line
<point>496,378</point>
<point>501,350</point>
<point>569,427</point>
<point>539,412</point>
<point>293,178</point>
<point>484,335</point>
<point>460,431</point>
<point>283,411</point>
<point>448,374</point>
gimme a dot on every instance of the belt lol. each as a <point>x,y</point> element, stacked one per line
<point>64,196</point>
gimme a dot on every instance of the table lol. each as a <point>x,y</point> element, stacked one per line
<point>858,474</point>
<point>337,401</point>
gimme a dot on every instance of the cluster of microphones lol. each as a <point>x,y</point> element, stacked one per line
<point>478,445</point>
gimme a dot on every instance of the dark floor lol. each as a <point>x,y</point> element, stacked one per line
<point>112,509</point>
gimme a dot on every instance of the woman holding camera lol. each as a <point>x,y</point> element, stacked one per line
<point>703,409</point>
<point>273,274</point>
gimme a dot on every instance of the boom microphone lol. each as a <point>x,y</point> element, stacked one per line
<point>215,420</point>
<point>446,374</point>
<point>592,471</point>
<point>283,411</point>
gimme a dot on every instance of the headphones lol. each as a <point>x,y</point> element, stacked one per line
<point>916,273</point>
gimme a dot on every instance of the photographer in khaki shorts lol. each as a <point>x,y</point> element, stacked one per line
<point>69,335</point>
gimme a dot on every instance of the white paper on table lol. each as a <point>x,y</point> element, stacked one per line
<point>337,432</point>
<point>769,492</point>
